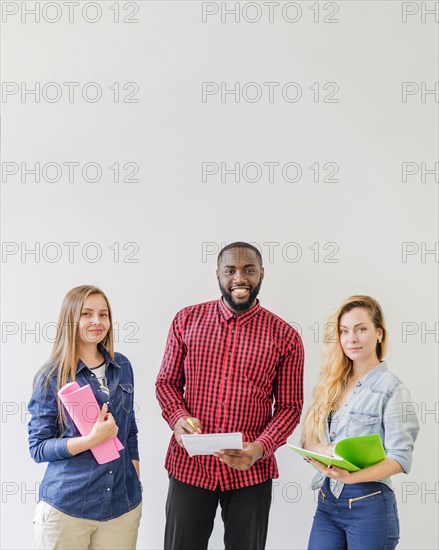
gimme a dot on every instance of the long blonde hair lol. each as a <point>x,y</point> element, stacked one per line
<point>336,366</point>
<point>64,358</point>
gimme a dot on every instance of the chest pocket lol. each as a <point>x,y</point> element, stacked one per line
<point>362,423</point>
<point>127,396</point>
<point>332,428</point>
<point>257,362</point>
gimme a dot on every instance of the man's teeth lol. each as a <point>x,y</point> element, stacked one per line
<point>240,291</point>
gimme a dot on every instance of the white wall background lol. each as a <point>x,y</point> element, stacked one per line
<point>170,214</point>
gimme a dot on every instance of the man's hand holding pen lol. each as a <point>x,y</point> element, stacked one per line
<point>186,426</point>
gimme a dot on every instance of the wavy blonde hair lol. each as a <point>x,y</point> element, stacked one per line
<point>336,367</point>
<point>64,358</point>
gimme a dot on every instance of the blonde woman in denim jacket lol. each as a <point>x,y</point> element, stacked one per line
<point>357,395</point>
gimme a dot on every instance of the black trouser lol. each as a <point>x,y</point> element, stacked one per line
<point>190,515</point>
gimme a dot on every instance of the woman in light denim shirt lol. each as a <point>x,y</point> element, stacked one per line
<point>83,504</point>
<point>357,395</point>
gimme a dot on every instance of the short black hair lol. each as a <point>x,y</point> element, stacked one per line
<point>240,244</point>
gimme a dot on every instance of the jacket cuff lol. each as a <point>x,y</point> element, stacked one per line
<point>134,453</point>
<point>402,459</point>
<point>60,448</point>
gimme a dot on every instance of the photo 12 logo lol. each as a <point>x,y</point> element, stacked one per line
<point>269,172</point>
<point>36,331</point>
<point>69,172</point>
<point>269,92</point>
<point>71,12</point>
<point>415,172</point>
<point>290,252</point>
<point>269,12</point>
<point>420,91</point>
<point>69,92</point>
<point>420,12</point>
<point>413,251</point>
<point>71,251</point>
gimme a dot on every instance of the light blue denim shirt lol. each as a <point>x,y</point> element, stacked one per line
<point>376,406</point>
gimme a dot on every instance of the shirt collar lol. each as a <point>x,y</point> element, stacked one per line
<point>107,358</point>
<point>372,376</point>
<point>242,318</point>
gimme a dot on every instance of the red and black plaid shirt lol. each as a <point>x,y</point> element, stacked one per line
<point>226,370</point>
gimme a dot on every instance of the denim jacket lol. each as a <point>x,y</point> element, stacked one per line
<point>78,485</point>
<point>376,406</point>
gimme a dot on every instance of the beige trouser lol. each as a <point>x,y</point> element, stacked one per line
<point>55,530</point>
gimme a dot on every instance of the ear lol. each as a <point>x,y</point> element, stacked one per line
<point>380,333</point>
<point>262,273</point>
<point>217,273</point>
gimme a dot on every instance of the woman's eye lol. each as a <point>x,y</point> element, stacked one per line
<point>86,314</point>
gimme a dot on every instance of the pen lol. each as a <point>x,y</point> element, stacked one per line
<point>189,421</point>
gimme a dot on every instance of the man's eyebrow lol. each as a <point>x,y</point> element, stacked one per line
<point>246,265</point>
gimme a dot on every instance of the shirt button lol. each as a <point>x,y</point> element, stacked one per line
<point>110,472</point>
<point>233,331</point>
<point>108,488</point>
<point>92,374</point>
<point>219,429</point>
<point>225,378</point>
<point>229,354</point>
<point>222,404</point>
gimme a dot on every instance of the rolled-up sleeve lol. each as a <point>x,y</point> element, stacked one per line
<point>401,427</point>
<point>44,445</point>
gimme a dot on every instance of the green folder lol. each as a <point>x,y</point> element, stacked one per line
<point>351,454</point>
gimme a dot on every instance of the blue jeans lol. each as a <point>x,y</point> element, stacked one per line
<point>355,523</point>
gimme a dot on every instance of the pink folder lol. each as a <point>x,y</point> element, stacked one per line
<point>84,410</point>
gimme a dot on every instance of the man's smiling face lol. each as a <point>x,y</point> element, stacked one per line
<point>239,276</point>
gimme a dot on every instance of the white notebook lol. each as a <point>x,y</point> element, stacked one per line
<point>207,444</point>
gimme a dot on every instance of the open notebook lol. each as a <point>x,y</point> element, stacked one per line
<point>352,453</point>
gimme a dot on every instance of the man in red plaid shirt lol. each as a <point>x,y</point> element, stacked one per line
<point>229,366</point>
